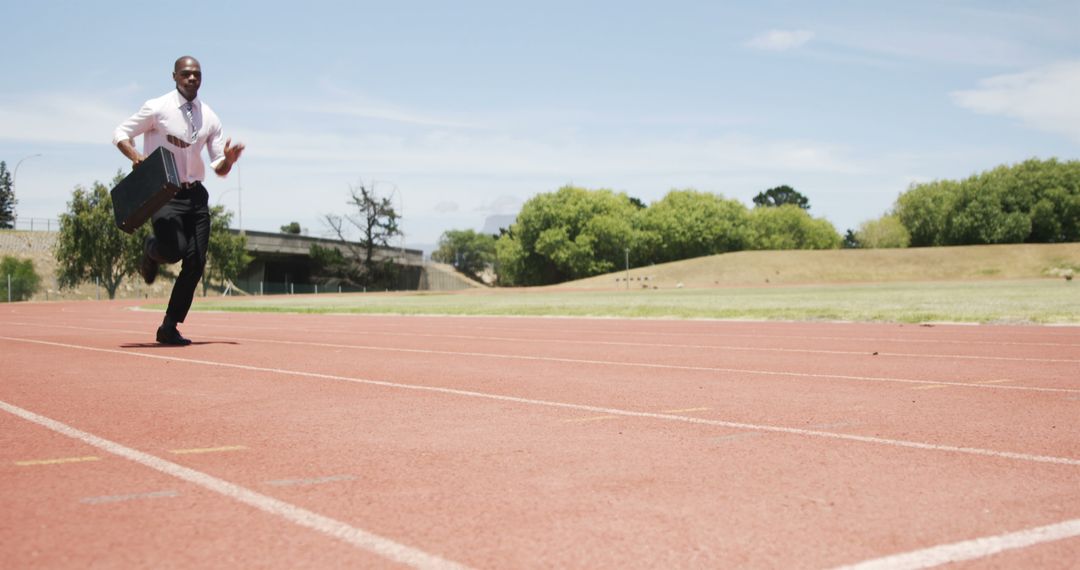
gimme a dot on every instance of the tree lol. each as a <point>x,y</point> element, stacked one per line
<point>884,232</point>
<point>569,234</point>
<point>467,250</point>
<point>1034,201</point>
<point>790,227</point>
<point>7,198</point>
<point>227,253</point>
<point>780,196</point>
<point>20,274</point>
<point>90,247</point>
<point>925,210</point>
<point>851,241</point>
<point>291,228</point>
<point>688,223</point>
<point>377,221</point>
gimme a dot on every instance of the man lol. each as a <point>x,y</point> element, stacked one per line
<point>182,123</point>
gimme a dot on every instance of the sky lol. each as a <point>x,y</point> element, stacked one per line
<point>462,111</point>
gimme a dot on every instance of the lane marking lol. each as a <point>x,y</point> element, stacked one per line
<point>971,549</point>
<point>58,461</point>
<point>300,516</point>
<point>123,498</point>
<point>592,419</point>
<point>739,435</point>
<point>684,411</point>
<point>770,336</point>
<point>310,481</point>
<point>584,407</point>
<point>630,364</point>
<point>197,450</point>
<point>931,387</point>
<point>994,381</point>
<point>868,352</point>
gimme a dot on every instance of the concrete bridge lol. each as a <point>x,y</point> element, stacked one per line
<point>283,261</point>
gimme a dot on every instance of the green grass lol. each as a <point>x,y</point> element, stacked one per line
<point>1027,301</point>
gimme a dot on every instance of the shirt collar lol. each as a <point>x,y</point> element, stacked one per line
<point>181,101</point>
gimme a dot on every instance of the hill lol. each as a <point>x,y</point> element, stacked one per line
<point>790,267</point>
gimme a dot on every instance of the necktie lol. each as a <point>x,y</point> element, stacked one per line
<point>191,121</point>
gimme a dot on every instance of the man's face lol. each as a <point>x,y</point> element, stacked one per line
<point>188,77</point>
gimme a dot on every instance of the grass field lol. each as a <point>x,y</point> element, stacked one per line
<point>1015,301</point>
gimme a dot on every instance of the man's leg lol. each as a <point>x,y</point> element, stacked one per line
<point>181,233</point>
<point>197,230</point>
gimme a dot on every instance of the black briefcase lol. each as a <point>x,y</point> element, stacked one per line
<point>149,186</point>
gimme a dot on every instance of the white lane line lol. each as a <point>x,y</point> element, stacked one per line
<point>697,335</point>
<point>584,407</point>
<point>606,362</point>
<point>133,497</point>
<point>297,515</point>
<point>310,481</point>
<point>971,549</point>
<point>867,352</point>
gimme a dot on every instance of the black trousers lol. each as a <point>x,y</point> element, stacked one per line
<point>182,233</point>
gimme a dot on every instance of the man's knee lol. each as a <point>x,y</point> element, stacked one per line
<point>194,265</point>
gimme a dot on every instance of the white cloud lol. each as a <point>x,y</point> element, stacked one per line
<point>781,40</point>
<point>446,207</point>
<point>60,118</point>
<point>1043,98</point>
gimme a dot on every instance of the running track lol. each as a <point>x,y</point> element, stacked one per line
<point>329,441</point>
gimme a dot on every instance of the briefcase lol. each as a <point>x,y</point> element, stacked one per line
<point>149,186</point>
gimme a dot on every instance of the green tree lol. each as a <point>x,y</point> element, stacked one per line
<point>1033,201</point>
<point>7,198</point>
<point>90,247</point>
<point>781,196</point>
<point>851,240</point>
<point>18,279</point>
<point>376,220</point>
<point>569,234</point>
<point>688,223</point>
<point>227,252</point>
<point>467,250</point>
<point>884,232</point>
<point>925,210</point>
<point>791,227</point>
<point>291,228</point>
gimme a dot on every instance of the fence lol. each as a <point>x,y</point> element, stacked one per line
<point>36,224</point>
<point>252,287</point>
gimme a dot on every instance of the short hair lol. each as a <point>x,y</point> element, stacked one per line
<point>176,65</point>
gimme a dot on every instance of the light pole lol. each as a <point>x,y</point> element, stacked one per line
<point>15,177</point>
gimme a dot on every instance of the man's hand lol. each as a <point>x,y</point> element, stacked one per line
<point>232,154</point>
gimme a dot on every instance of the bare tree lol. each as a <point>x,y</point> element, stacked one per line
<point>376,220</point>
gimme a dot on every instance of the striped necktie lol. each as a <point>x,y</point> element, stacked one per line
<point>191,121</point>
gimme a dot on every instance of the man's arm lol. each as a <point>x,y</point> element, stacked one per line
<point>127,148</point>
<point>134,126</point>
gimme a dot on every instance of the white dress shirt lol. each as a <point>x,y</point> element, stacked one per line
<point>163,122</point>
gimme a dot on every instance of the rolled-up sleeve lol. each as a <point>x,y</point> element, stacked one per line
<point>135,125</point>
<point>215,146</point>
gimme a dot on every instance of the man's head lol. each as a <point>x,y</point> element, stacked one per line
<point>188,76</point>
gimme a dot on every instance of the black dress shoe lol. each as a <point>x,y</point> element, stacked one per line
<point>171,336</point>
<point>147,266</point>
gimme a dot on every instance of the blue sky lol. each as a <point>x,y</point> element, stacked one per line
<point>467,109</point>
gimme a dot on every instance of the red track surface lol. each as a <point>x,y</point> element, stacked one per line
<point>286,441</point>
